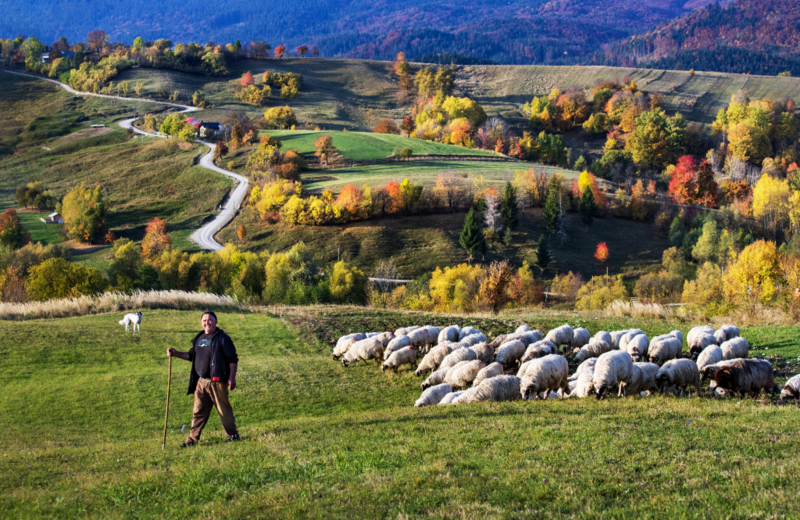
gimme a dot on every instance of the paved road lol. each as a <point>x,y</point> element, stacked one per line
<point>204,236</point>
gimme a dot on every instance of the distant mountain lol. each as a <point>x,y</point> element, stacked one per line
<point>515,31</point>
<point>747,36</point>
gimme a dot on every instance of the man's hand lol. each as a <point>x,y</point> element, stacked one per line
<point>170,352</point>
<point>231,383</point>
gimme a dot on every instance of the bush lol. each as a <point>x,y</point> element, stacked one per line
<point>57,278</point>
<point>348,284</point>
<point>12,234</point>
<point>386,126</point>
<point>600,292</point>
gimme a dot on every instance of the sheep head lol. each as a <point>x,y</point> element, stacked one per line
<point>663,381</point>
<point>695,351</point>
<point>724,378</point>
<point>601,392</point>
<point>531,388</point>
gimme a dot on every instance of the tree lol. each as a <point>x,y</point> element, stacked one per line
<point>57,278</point>
<point>280,117</point>
<point>386,126</point>
<point>12,234</point>
<point>649,142</point>
<point>493,291</point>
<point>471,238</point>
<point>682,185</point>
<point>279,51</point>
<point>587,208</point>
<point>348,284</point>
<point>599,292</point>
<point>601,253</point>
<point>156,239</point>
<point>411,195</point>
<point>508,207</point>
<point>771,203</point>
<point>755,275</point>
<point>221,150</point>
<point>448,188</point>
<point>302,50</point>
<point>552,206</point>
<point>84,212</point>
<point>97,39</point>
<point>247,79</point>
<point>706,248</point>
<point>543,257</point>
<point>241,233</point>
<point>492,216</point>
<point>408,125</point>
<point>315,51</point>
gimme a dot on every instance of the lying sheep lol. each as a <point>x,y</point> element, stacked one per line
<point>509,353</point>
<point>484,352</point>
<point>603,336</point>
<point>643,378</point>
<point>449,398</point>
<point>680,373</point>
<point>562,335</point>
<point>595,348</point>
<point>747,376</point>
<point>403,331</point>
<point>345,342</point>
<point>473,339</point>
<point>613,369</point>
<point>580,337</point>
<point>637,347</point>
<point>709,356</point>
<point>463,375</point>
<point>467,331</point>
<point>457,356</point>
<point>500,388</point>
<point>398,358</point>
<point>791,390</point>
<point>538,350</point>
<point>365,349</point>
<point>488,372</point>
<point>396,344</point>
<point>725,333</point>
<point>433,359</point>
<point>735,348</point>
<point>433,395</point>
<point>450,333</point>
<point>544,375</point>
<point>664,348</point>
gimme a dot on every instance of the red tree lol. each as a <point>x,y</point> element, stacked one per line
<point>601,254</point>
<point>247,79</point>
<point>394,196</point>
<point>12,234</point>
<point>279,51</point>
<point>302,50</point>
<point>156,239</point>
<point>683,184</point>
<point>408,125</point>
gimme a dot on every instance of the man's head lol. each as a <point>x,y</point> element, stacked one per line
<point>209,322</point>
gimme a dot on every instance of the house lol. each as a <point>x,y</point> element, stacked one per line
<point>205,129</point>
<point>65,54</point>
<point>55,218</point>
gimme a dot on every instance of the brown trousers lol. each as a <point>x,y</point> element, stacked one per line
<point>208,395</point>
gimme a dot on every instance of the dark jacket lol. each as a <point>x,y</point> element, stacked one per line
<point>223,353</point>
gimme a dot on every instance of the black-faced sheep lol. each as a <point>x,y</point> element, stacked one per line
<point>791,390</point>
<point>488,372</point>
<point>747,376</point>
<point>580,337</point>
<point>500,388</point>
<point>613,369</point>
<point>463,375</point>
<point>735,348</point>
<point>345,342</point>
<point>636,346</point>
<point>509,353</point>
<point>725,333</point>
<point>484,352</point>
<point>538,350</point>
<point>450,333</point>
<point>681,373</point>
<point>562,335</point>
<point>398,358</point>
<point>449,398</point>
<point>457,356</point>
<point>595,348</point>
<point>643,378</point>
<point>663,348</point>
<point>544,375</point>
<point>396,344</point>
<point>433,395</point>
<point>370,348</point>
<point>709,356</point>
<point>433,359</point>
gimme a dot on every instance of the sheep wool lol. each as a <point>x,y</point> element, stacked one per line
<point>710,355</point>
<point>464,374</point>
<point>735,348</point>
<point>370,348</point>
<point>626,338</point>
<point>791,390</point>
<point>449,334</point>
<point>433,395</point>
<point>488,372</point>
<point>589,364</point>
<point>384,337</point>
<point>345,342</point>
<point>500,388</point>
<point>580,337</point>
<point>433,334</point>
<point>709,371</point>
<point>747,376</point>
<point>595,348</point>
<point>538,350</point>
<point>474,339</point>
<point>681,373</point>
<point>643,378</point>
<point>467,331</point>
<point>403,331</point>
<point>499,340</point>
<point>484,352</point>
<point>509,353</point>
<point>637,347</point>
<point>700,342</point>
<point>449,398</point>
<point>582,387</point>
<point>419,337</point>
<point>613,369</point>
<point>603,336</point>
<point>457,356</point>
<point>433,359</point>
<point>616,337</point>
<point>562,335</point>
<point>664,348</point>
<point>725,333</point>
<point>396,344</point>
<point>522,328</point>
<point>678,334</point>
<point>435,378</point>
<point>398,358</point>
<point>544,375</point>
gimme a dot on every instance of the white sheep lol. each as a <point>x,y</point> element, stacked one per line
<point>345,342</point>
<point>473,339</point>
<point>499,340</point>
<point>678,334</point>
<point>370,348</point>
<point>603,336</point>
<point>725,333</point>
<point>637,346</point>
<point>681,373</point>
<point>433,395</point>
<point>467,331</point>
<point>538,350</point>
<point>500,388</point>
<point>433,334</point>
<point>403,331</point>
<point>509,353</point>
<point>613,369</point>
<point>632,333</point>
<point>433,359</point>
<point>663,348</point>
<point>435,378</point>
<point>595,348</point>
<point>544,375</point>
<point>449,334</point>
<point>457,356</point>
<point>747,376</point>
<point>449,398</point>
<point>385,337</point>
<point>580,337</point>
<point>735,348</point>
<point>582,386</point>
<point>643,378</point>
<point>710,355</point>
<point>398,358</point>
<point>396,344</point>
<point>616,337</point>
<point>699,338</point>
<point>465,374</point>
<point>562,335</point>
<point>522,328</point>
<point>488,372</point>
<point>418,337</point>
<point>484,352</point>
<point>791,390</point>
<point>589,364</point>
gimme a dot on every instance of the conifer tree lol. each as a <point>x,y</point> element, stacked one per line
<point>587,207</point>
<point>552,213</point>
<point>471,238</point>
<point>508,207</point>
<point>543,257</point>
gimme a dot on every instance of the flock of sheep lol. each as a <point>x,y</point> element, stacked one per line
<point>463,367</point>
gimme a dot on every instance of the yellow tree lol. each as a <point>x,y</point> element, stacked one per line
<point>771,202</point>
<point>755,274</point>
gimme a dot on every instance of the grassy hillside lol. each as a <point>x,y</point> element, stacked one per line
<point>81,433</point>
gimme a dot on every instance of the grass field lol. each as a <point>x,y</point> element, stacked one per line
<point>80,435</point>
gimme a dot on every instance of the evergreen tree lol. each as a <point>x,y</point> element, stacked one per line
<point>587,207</point>
<point>580,164</point>
<point>543,257</point>
<point>551,213</point>
<point>471,238</point>
<point>508,207</point>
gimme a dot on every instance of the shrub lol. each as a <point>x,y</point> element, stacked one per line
<point>386,126</point>
<point>599,292</point>
<point>348,284</point>
<point>57,278</point>
<point>12,234</point>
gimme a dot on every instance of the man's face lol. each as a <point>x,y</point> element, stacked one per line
<point>209,324</point>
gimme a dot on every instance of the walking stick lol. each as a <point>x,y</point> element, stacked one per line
<point>166,415</point>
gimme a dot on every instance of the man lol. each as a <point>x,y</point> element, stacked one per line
<point>213,375</point>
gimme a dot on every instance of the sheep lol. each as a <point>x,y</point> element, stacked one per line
<point>396,344</point>
<point>433,334</point>
<point>709,371</point>
<point>403,331</point>
<point>625,339</point>
<point>747,375</point>
<point>488,372</point>
<point>562,335</point>
<point>725,333</point>
<point>582,386</point>
<point>544,375</point>
<point>664,348</point>
<point>580,337</point>
<point>467,331</point>
<point>538,350</point>
<point>370,348</point>
<point>643,378</point>
<point>473,339</point>
<point>398,358</point>
<point>603,336</point>
<point>449,334</point>
<point>510,352</point>
<point>465,374</point>
<point>612,369</point>
<point>435,378</point>
<point>791,390</point>
<point>457,356</point>
<point>699,330</point>
<point>500,388</point>
<point>345,342</point>
<point>484,352</point>
<point>499,340</point>
<point>735,348</point>
<point>700,342</point>
<point>419,337</point>
<point>587,365</point>
<point>680,373</point>
<point>522,328</point>
<point>709,356</point>
<point>433,359</point>
<point>385,337</point>
<point>678,334</point>
<point>637,347</point>
<point>595,348</point>
<point>433,395</point>
<point>449,398</point>
<point>616,337</point>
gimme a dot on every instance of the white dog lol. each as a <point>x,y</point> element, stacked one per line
<point>135,319</point>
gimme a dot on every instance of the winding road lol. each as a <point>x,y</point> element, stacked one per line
<point>204,236</point>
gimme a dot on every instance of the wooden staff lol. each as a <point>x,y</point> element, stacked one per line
<point>166,415</point>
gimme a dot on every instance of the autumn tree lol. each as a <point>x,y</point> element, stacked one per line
<point>493,291</point>
<point>449,190</point>
<point>348,284</point>
<point>315,51</point>
<point>97,39</point>
<point>771,203</point>
<point>156,239</point>
<point>302,50</point>
<point>241,233</point>
<point>247,79</point>
<point>221,150</point>
<point>84,211</point>
<point>601,253</point>
<point>408,125</point>
<point>386,126</point>
<point>323,146</point>
<point>682,184</point>
<point>279,51</point>
<point>12,234</point>
<point>755,275</point>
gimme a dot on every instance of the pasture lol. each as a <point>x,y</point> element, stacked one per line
<point>80,435</point>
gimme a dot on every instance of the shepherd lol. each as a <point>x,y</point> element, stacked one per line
<point>213,375</point>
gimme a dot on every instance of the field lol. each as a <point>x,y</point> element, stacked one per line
<point>80,435</point>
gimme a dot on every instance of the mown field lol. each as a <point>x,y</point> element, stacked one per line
<point>80,434</point>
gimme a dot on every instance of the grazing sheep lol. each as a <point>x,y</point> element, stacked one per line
<point>580,337</point>
<point>680,373</point>
<point>467,331</point>
<point>603,336</point>
<point>544,375</point>
<point>499,340</point>
<point>396,344</point>
<point>700,342</point>
<point>500,388</point>
<point>484,352</point>
<point>522,328</point>
<point>678,334</point>
<point>457,356</point>
<point>625,339</point>
<point>791,390</point>
<point>449,398</point>
<point>433,334</point>
<point>709,356</point>
<point>465,374</point>
<point>725,333</point>
<point>449,334</point>
<point>473,339</point>
<point>385,337</point>
<point>433,395</point>
<point>433,359</point>
<point>419,337</point>
<point>539,349</point>
<point>735,348</point>
<point>370,348</point>
<point>589,364</point>
<point>509,353</point>
<point>747,376</point>
<point>345,342</point>
<point>582,386</point>
<point>699,330</point>
<point>613,369</point>
<point>398,358</point>
<point>709,371</point>
<point>637,347</point>
<point>403,331</point>
<point>616,337</point>
<point>594,349</point>
<point>488,372</point>
<point>643,378</point>
<point>562,335</point>
<point>434,378</point>
<point>664,348</point>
